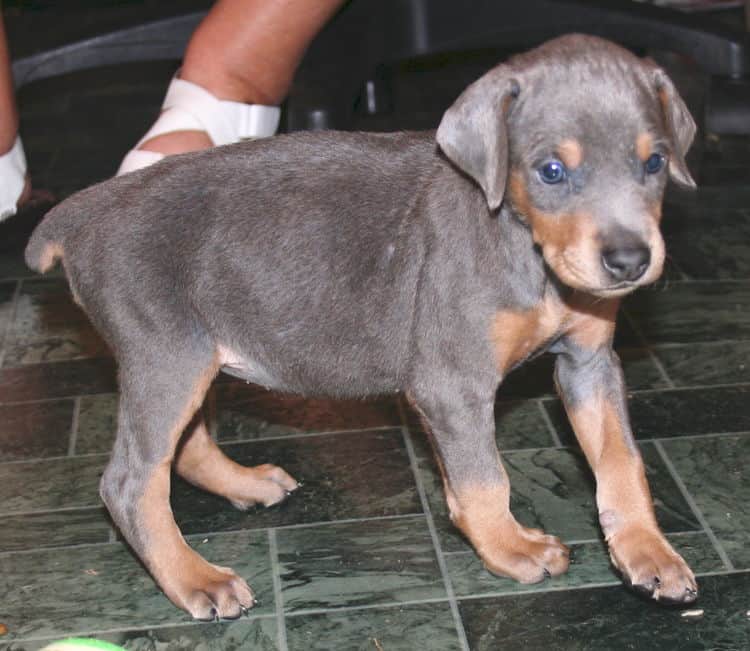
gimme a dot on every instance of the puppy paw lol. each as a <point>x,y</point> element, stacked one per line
<point>526,555</point>
<point>650,566</point>
<point>213,592</point>
<point>266,485</point>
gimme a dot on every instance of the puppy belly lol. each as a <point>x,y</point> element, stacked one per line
<point>246,369</point>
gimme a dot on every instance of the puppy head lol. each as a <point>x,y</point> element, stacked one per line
<point>577,137</point>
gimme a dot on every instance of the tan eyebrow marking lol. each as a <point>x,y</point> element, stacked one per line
<point>644,146</point>
<point>570,152</point>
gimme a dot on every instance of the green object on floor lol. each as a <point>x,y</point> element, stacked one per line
<point>81,644</point>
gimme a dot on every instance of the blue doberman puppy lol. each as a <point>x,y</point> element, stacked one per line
<point>352,264</point>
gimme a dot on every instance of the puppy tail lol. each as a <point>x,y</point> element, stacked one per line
<point>45,247</point>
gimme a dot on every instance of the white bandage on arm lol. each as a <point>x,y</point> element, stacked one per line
<point>12,178</point>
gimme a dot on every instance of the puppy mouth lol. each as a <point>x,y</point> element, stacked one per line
<point>612,291</point>
<point>573,276</point>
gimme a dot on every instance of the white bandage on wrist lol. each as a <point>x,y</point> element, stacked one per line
<point>12,179</point>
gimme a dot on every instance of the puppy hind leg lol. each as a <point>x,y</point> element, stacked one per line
<point>201,462</point>
<point>157,401</point>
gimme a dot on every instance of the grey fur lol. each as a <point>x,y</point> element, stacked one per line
<point>351,264</point>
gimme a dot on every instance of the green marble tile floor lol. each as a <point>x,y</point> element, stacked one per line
<point>364,556</point>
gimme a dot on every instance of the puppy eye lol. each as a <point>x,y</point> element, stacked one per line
<point>552,172</point>
<point>654,163</point>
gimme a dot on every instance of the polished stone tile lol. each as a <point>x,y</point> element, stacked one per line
<point>521,425</point>
<point>423,626</point>
<point>535,378</point>
<point>667,414</point>
<point>257,633</point>
<point>532,380</point>
<point>7,291</point>
<point>554,490</point>
<point>714,470</point>
<point>691,411</point>
<point>609,618</point>
<point>33,430</point>
<point>97,423</point>
<point>589,565</point>
<point>518,424</point>
<point>246,411</point>
<point>705,364</point>
<point>53,529</point>
<point>357,475</point>
<point>12,266</point>
<point>693,312</point>
<point>50,484</point>
<point>358,564</point>
<point>102,587</point>
<point>48,326</point>
<point>708,236</point>
<point>641,372</point>
<point>57,380</point>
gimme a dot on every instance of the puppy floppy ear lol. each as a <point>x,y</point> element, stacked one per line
<point>473,132</point>
<point>680,126</point>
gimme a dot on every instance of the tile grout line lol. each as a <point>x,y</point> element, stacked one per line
<point>11,319</point>
<point>686,277</point>
<point>452,602</point>
<point>109,631</point>
<point>647,347</point>
<point>73,439</point>
<point>59,509</point>
<point>550,426</point>
<point>590,541</point>
<point>210,414</point>
<point>302,613</point>
<point>693,506</point>
<point>544,398</point>
<point>720,281</point>
<point>56,457</point>
<point>305,435</point>
<point>672,389</point>
<point>273,552</point>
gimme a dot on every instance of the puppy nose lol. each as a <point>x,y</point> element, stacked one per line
<point>626,263</point>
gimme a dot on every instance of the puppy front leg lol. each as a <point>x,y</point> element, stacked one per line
<point>478,491</point>
<point>592,387</point>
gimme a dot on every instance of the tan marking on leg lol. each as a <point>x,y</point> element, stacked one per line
<point>637,546</point>
<point>202,462</point>
<point>506,547</point>
<point>644,146</point>
<point>570,152</point>
<point>203,589</point>
<point>51,253</point>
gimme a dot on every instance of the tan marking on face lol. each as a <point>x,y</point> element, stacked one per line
<point>516,334</point>
<point>51,253</point>
<point>569,242</point>
<point>570,152</point>
<point>655,210</point>
<point>644,146</point>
